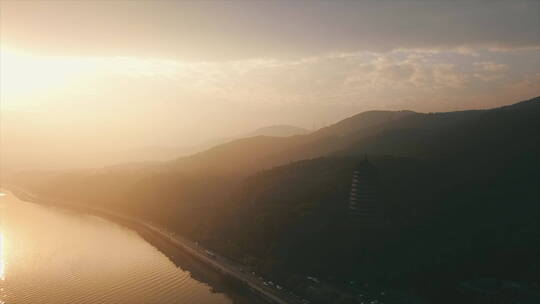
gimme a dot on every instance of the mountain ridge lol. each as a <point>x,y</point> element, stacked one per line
<point>458,190</point>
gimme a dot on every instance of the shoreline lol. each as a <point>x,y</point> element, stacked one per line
<point>219,282</point>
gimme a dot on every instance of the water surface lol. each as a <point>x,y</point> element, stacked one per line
<point>48,255</point>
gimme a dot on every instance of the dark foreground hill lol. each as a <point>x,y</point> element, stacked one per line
<point>459,191</point>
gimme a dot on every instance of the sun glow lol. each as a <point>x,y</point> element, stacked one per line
<point>27,79</point>
<point>24,76</point>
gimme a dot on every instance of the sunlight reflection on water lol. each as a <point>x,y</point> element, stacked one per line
<point>60,257</point>
<point>2,263</point>
<point>2,266</point>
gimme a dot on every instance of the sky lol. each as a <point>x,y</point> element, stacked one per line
<point>88,78</point>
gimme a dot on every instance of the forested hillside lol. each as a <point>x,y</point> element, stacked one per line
<point>460,193</point>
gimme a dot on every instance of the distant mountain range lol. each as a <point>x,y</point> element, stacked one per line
<point>278,131</point>
<point>459,189</point>
<point>401,133</point>
<point>164,153</point>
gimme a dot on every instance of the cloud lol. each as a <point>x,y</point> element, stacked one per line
<point>413,79</point>
<point>398,72</point>
<point>491,66</point>
<point>489,71</point>
<point>238,30</point>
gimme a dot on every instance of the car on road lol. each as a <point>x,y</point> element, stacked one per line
<point>210,254</point>
<point>313,279</point>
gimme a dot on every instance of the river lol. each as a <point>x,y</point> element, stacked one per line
<point>50,255</point>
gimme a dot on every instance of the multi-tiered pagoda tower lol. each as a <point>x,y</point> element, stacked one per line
<point>364,209</point>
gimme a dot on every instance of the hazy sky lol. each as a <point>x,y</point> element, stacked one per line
<point>110,75</point>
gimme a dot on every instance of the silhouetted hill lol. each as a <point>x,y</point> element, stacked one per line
<point>362,121</point>
<point>278,131</point>
<point>401,133</point>
<point>248,155</point>
<point>464,205</point>
<point>373,129</point>
<point>459,192</point>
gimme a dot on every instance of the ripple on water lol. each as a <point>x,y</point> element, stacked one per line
<point>51,256</point>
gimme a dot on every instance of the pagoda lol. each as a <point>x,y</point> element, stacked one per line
<point>363,207</point>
